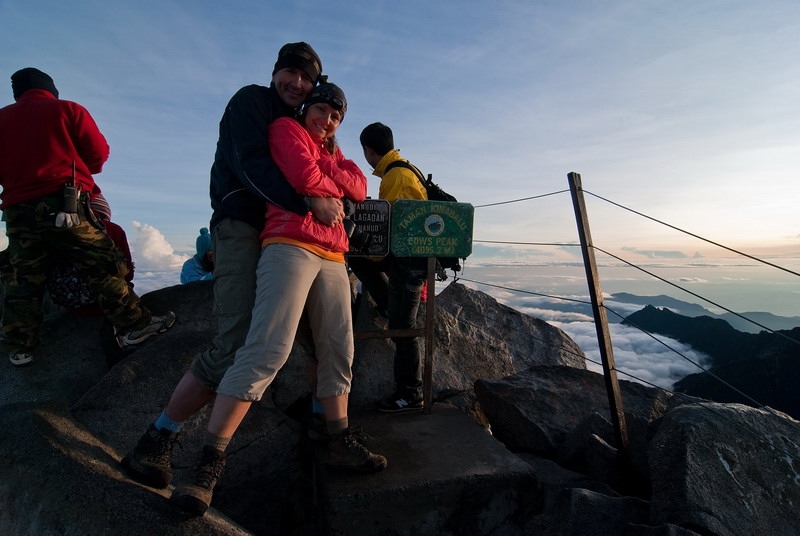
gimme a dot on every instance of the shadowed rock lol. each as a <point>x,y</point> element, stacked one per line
<point>74,418</point>
<point>693,466</point>
<point>69,419</point>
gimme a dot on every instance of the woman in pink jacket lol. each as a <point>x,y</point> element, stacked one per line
<point>301,267</point>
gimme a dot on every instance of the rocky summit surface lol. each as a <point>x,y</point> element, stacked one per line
<point>691,466</point>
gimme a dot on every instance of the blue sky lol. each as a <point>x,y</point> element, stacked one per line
<point>686,111</point>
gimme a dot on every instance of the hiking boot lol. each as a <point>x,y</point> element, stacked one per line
<point>399,404</point>
<point>20,360</point>
<point>347,453</point>
<point>149,462</point>
<point>158,324</point>
<point>195,497</point>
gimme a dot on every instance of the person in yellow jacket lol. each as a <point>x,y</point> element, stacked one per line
<point>395,283</point>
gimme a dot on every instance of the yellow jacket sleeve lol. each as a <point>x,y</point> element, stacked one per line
<point>401,183</point>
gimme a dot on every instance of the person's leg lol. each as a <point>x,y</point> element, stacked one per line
<point>95,256</point>
<point>25,277</point>
<point>328,307</point>
<point>227,416</point>
<point>335,412</point>
<point>346,452</point>
<point>373,281</point>
<point>238,249</point>
<point>328,311</point>
<point>285,274</point>
<point>190,396</point>
<point>406,279</point>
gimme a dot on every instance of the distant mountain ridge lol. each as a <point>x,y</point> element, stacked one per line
<point>762,367</point>
<point>771,321</point>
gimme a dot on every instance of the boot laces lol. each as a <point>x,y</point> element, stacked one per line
<point>353,442</point>
<point>161,449</point>
<point>208,472</point>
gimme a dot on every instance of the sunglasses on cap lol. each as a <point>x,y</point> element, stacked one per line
<point>325,93</point>
<point>336,102</point>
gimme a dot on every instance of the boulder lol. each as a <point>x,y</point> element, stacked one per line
<point>581,512</point>
<point>474,337</point>
<point>693,466</point>
<point>562,413</point>
<point>727,469</point>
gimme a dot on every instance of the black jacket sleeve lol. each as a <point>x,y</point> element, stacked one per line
<point>247,118</point>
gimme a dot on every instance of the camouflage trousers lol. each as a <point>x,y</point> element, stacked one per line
<point>35,246</point>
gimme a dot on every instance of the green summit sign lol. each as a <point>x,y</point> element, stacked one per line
<point>431,229</point>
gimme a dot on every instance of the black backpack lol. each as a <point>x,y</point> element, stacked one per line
<point>435,193</point>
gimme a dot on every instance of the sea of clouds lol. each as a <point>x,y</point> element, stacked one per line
<point>657,361</point>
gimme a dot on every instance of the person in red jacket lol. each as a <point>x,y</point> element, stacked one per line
<point>67,287</point>
<point>244,177</point>
<point>301,268</point>
<point>49,150</point>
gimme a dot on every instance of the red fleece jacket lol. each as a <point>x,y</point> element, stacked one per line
<point>40,137</point>
<point>313,172</point>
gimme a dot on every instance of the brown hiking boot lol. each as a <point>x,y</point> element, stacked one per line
<point>195,496</point>
<point>149,462</point>
<point>347,453</point>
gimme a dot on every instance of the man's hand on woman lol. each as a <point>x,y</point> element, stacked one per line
<point>328,210</point>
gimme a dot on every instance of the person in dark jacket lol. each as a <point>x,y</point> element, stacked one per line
<point>49,151</point>
<point>244,178</point>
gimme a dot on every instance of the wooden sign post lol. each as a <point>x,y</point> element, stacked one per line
<point>430,229</point>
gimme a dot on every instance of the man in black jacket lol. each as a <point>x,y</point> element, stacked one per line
<point>243,179</point>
